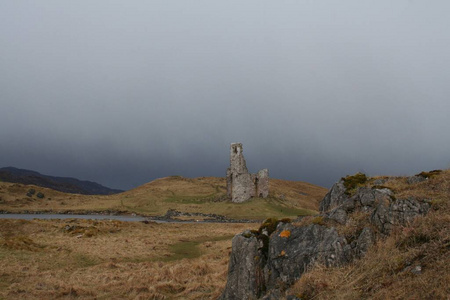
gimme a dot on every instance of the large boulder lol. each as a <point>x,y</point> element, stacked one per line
<point>261,268</point>
<point>293,249</point>
<point>245,269</point>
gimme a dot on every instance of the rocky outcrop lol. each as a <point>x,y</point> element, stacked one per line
<point>258,266</point>
<point>385,210</point>
<point>335,197</point>
<point>399,212</point>
<point>293,249</point>
<point>415,179</point>
<point>245,271</point>
<point>241,185</point>
<point>263,266</point>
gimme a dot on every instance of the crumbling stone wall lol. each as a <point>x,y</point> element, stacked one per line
<point>241,185</point>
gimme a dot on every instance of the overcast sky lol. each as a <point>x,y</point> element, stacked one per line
<point>123,92</point>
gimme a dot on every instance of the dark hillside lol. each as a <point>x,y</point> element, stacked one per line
<point>63,184</point>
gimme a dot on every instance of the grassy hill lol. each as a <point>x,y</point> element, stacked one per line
<point>204,194</point>
<point>86,259</point>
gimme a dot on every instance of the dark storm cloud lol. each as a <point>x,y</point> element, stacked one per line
<point>125,92</point>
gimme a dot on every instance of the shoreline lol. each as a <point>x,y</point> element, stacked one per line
<point>169,217</point>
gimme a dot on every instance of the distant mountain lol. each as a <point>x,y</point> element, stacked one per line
<point>63,184</point>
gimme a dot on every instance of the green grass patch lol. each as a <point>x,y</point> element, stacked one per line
<point>137,260</point>
<point>215,239</point>
<point>200,199</point>
<point>84,261</point>
<point>183,249</point>
<point>3,254</point>
<point>258,209</point>
<point>5,281</point>
<point>215,203</point>
<point>190,249</point>
<point>282,211</point>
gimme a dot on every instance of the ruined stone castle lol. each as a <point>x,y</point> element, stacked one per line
<point>241,185</point>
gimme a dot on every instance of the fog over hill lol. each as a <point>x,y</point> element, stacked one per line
<point>121,93</point>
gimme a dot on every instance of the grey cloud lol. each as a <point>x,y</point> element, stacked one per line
<point>122,93</point>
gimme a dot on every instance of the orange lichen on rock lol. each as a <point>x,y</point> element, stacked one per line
<point>285,233</point>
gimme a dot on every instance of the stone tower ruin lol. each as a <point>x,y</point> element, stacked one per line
<point>241,185</point>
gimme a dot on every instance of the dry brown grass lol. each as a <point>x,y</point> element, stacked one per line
<point>385,272</point>
<point>204,194</point>
<point>13,198</point>
<point>49,259</point>
<point>297,193</point>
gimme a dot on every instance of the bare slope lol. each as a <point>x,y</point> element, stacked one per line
<point>204,194</point>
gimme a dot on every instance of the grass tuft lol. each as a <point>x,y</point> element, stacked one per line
<point>270,225</point>
<point>351,183</point>
<point>319,220</point>
<point>429,174</point>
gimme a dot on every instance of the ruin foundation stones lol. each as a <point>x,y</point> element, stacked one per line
<point>241,185</point>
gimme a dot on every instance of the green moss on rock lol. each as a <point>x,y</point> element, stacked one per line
<point>353,182</point>
<point>270,225</point>
<point>319,220</point>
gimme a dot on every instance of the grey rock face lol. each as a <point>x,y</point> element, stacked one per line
<point>339,215</point>
<point>380,181</point>
<point>289,257</point>
<point>365,239</point>
<point>245,270</point>
<point>367,198</point>
<point>399,212</point>
<point>241,185</point>
<point>273,295</point>
<point>252,271</point>
<point>386,211</point>
<point>341,204</point>
<point>335,197</point>
<point>415,179</point>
